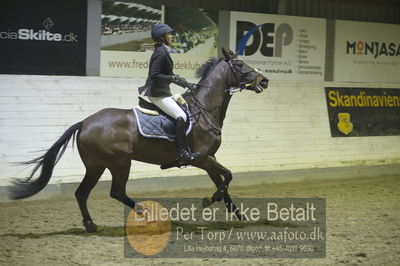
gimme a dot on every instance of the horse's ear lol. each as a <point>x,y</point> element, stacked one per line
<point>226,53</point>
<point>233,55</point>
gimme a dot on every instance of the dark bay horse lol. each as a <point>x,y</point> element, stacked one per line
<point>110,139</point>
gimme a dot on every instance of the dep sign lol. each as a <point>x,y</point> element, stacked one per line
<point>283,47</point>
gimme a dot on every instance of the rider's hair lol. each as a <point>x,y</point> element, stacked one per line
<point>160,41</point>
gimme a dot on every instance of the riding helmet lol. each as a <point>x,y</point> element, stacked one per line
<point>159,30</point>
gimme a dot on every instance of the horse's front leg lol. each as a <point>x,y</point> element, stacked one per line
<point>215,170</point>
<point>222,193</point>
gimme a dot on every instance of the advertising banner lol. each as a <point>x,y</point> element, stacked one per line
<point>367,52</point>
<point>357,112</point>
<point>43,37</point>
<point>283,47</point>
<point>127,44</point>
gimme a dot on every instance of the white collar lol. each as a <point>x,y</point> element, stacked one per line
<point>166,46</point>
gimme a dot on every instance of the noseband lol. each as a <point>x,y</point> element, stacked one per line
<point>242,85</point>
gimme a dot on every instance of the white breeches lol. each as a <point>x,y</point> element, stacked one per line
<point>169,106</point>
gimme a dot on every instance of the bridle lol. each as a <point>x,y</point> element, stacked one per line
<point>193,87</point>
<point>242,85</point>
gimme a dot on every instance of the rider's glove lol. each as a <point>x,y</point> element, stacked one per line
<point>180,81</point>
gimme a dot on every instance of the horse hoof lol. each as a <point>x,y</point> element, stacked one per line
<point>90,226</point>
<point>206,202</point>
<point>219,194</point>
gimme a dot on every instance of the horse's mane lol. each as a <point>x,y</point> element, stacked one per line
<point>207,67</point>
<point>204,70</point>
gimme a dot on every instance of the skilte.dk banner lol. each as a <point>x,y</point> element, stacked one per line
<point>43,37</point>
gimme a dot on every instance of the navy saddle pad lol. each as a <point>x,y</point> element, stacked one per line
<point>157,126</point>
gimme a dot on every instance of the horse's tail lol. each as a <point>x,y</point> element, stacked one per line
<point>24,188</point>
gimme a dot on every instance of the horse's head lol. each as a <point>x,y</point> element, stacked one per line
<point>245,77</point>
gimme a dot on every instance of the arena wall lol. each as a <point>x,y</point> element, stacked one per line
<point>284,128</point>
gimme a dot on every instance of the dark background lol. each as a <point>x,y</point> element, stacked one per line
<point>44,57</point>
<point>383,11</point>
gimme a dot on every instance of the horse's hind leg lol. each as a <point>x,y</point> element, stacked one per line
<point>91,178</point>
<point>120,175</point>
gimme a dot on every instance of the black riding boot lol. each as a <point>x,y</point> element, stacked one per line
<point>184,155</point>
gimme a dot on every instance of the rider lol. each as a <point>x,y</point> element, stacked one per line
<point>158,91</point>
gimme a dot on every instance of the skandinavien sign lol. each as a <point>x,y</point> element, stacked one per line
<point>355,112</point>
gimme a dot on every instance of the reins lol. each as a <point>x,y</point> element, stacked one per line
<point>201,109</point>
<point>192,89</point>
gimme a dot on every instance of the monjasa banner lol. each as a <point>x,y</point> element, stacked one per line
<point>366,52</point>
<point>43,37</point>
<point>363,111</point>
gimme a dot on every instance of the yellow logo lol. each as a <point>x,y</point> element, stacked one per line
<point>345,126</point>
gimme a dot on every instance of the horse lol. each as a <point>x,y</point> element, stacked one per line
<point>110,139</point>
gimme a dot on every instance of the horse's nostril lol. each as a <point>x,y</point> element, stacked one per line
<point>264,83</point>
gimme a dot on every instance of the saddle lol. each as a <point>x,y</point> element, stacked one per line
<point>154,123</point>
